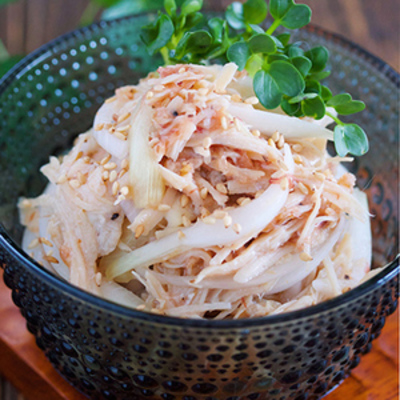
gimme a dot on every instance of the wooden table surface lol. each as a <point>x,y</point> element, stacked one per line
<point>26,25</point>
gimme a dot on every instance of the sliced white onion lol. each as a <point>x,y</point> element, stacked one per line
<point>268,123</point>
<point>118,294</point>
<point>116,147</point>
<point>144,173</point>
<point>201,235</point>
<point>360,232</point>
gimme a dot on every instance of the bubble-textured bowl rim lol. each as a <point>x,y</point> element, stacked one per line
<point>389,272</point>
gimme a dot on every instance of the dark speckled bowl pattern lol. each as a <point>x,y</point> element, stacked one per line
<point>111,352</point>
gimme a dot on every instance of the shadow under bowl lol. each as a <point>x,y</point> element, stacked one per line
<point>111,352</point>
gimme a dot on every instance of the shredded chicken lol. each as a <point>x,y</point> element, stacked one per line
<point>188,199</point>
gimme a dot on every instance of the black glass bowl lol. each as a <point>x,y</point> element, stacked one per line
<point>111,352</point>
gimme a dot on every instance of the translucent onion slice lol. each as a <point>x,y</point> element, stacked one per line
<point>116,147</point>
<point>360,232</point>
<point>144,173</point>
<point>269,122</point>
<point>252,218</point>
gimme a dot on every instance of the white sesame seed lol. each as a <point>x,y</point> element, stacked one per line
<point>224,123</point>
<point>258,194</point>
<point>227,221</point>
<point>242,201</point>
<point>139,231</point>
<point>124,190</point>
<point>105,175</point>
<point>284,183</point>
<point>124,129</point>
<point>113,175</point>
<point>186,169</point>
<point>45,241</point>
<point>74,183</point>
<point>62,179</point>
<point>207,142</point>
<point>141,307</point>
<point>164,207</point>
<point>275,136</point>
<point>51,259</point>
<point>122,173</point>
<point>236,228</point>
<point>110,165</point>
<point>120,136</point>
<point>98,278</point>
<point>252,100</point>
<point>302,187</point>
<point>181,70</point>
<point>149,95</point>
<point>105,160</point>
<point>281,142</point>
<point>186,221</point>
<point>125,163</point>
<point>184,200</point>
<point>305,256</point>
<point>209,220</point>
<point>236,98</point>
<point>219,214</point>
<point>86,159</point>
<point>99,127</point>
<point>181,235</point>
<point>297,148</point>
<point>256,133</point>
<point>115,188</point>
<point>33,244</point>
<point>221,188</point>
<point>123,117</point>
<point>203,193</point>
<point>271,143</point>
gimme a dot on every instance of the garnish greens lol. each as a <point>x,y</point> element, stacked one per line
<point>284,74</point>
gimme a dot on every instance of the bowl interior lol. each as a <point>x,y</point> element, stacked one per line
<point>54,93</point>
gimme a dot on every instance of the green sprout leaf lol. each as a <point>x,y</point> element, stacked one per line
<point>234,16</point>
<point>301,97</point>
<point>303,64</point>
<point>239,53</point>
<point>283,38</point>
<point>350,138</point>
<point>267,90</point>
<point>339,99</point>
<point>156,35</point>
<point>170,7</point>
<point>352,107</point>
<point>345,105</point>
<point>319,57</point>
<point>295,51</point>
<point>255,11</point>
<point>314,107</point>
<point>287,77</point>
<point>298,16</point>
<point>193,43</point>
<point>279,8</point>
<point>262,43</point>
<point>326,94</point>
<point>191,6</point>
